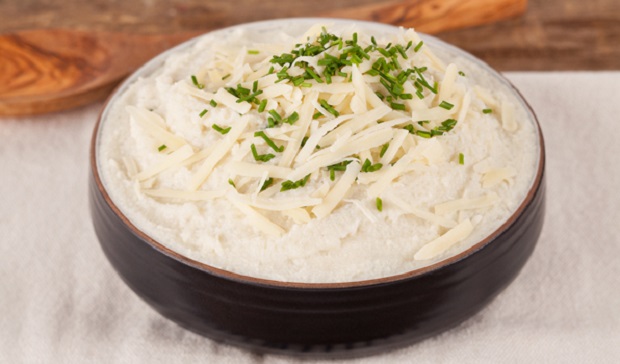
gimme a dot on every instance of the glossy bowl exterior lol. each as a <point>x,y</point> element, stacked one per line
<point>336,318</point>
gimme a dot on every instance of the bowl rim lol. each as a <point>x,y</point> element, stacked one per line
<point>241,278</point>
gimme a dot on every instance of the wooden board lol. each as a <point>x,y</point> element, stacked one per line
<point>553,34</point>
<point>53,69</point>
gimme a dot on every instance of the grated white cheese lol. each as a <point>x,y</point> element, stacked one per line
<point>466,203</point>
<point>219,151</point>
<point>171,160</point>
<point>338,192</point>
<point>444,242</point>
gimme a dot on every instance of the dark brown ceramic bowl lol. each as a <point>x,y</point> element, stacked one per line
<point>333,318</point>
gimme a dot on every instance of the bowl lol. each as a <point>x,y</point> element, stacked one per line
<point>334,319</point>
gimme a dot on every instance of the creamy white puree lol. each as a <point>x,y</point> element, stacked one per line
<point>355,241</point>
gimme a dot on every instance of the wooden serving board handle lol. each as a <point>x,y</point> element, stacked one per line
<point>434,16</point>
<point>47,70</point>
<point>56,69</point>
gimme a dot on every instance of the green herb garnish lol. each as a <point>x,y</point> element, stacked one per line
<point>269,142</point>
<point>446,105</point>
<point>330,109</point>
<point>161,147</point>
<point>291,185</point>
<point>261,157</point>
<point>487,111</point>
<point>262,105</point>
<point>268,182</point>
<point>221,130</point>
<point>367,166</point>
<point>384,149</point>
<point>342,166</point>
<point>196,83</point>
<point>244,93</point>
<point>379,203</point>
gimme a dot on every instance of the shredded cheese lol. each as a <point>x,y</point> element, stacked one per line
<point>466,203</point>
<point>338,192</point>
<point>444,242</point>
<point>218,153</point>
<point>497,175</point>
<point>259,221</point>
<point>171,160</point>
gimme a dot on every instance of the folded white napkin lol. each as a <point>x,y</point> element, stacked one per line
<point>61,302</point>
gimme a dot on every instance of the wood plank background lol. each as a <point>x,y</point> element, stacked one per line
<point>552,35</point>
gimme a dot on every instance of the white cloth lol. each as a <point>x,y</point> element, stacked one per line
<point>61,302</point>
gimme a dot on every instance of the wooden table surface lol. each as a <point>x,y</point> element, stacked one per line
<point>551,35</point>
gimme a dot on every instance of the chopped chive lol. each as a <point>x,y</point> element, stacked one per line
<point>446,105</point>
<point>269,142</point>
<point>291,119</point>
<point>369,167</point>
<point>220,130</point>
<point>487,111</point>
<point>462,73</point>
<point>418,46</point>
<point>330,109</point>
<point>379,203</point>
<point>203,112</point>
<point>314,75</point>
<point>161,147</point>
<point>384,149</point>
<point>342,166</point>
<point>231,182</point>
<point>262,105</point>
<point>275,116</point>
<point>225,77</point>
<point>316,115</point>
<point>461,158</point>
<point>304,141</point>
<point>268,182</point>
<point>213,103</point>
<point>423,133</point>
<point>291,185</point>
<point>196,83</point>
<point>397,106</point>
<point>253,51</point>
<point>260,157</point>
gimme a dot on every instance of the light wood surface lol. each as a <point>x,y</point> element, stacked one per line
<point>552,34</point>
<point>47,70</point>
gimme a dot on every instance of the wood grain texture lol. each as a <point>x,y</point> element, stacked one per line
<point>434,16</point>
<point>553,34</point>
<point>61,69</point>
<point>55,69</point>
